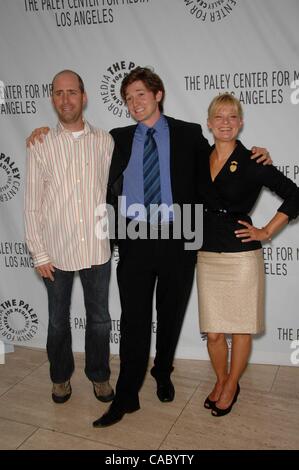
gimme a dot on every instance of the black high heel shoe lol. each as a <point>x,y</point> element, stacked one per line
<point>221,412</point>
<point>209,404</point>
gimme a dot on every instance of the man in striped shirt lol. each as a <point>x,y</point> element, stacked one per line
<point>67,177</point>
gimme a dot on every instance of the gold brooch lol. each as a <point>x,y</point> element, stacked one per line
<point>233,166</point>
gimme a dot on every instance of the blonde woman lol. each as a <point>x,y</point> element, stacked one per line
<point>230,263</point>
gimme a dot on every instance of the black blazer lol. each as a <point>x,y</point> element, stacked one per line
<point>187,147</point>
<point>235,190</point>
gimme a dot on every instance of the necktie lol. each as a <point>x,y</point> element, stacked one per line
<point>151,177</point>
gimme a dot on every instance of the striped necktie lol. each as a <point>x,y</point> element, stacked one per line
<point>151,177</point>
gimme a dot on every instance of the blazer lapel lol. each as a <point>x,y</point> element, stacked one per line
<point>127,143</point>
<point>175,145</point>
<point>123,138</point>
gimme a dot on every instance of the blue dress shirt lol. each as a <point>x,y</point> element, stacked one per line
<point>133,188</point>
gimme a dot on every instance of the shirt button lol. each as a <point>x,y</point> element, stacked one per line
<point>82,240</point>
<point>81,220</point>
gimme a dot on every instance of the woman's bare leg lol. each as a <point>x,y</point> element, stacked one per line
<point>218,352</point>
<point>241,348</point>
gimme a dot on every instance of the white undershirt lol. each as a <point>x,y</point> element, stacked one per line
<point>77,134</point>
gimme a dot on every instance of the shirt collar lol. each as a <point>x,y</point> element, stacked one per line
<point>159,126</point>
<point>86,130</point>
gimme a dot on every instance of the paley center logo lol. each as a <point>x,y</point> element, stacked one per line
<point>18,321</point>
<point>110,87</point>
<point>10,178</point>
<point>210,10</point>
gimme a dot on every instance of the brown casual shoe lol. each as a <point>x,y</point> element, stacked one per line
<point>103,391</point>
<point>61,392</point>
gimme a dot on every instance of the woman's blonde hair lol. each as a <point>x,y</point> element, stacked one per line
<point>220,100</point>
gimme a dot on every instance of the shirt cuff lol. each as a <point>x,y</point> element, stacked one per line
<point>40,259</point>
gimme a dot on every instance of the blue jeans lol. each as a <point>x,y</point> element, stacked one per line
<point>95,283</point>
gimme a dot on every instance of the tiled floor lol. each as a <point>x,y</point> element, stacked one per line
<point>266,415</point>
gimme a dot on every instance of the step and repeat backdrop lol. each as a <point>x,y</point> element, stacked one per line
<point>199,48</point>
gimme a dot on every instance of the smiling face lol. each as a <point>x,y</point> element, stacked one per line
<point>225,122</point>
<point>142,103</point>
<point>68,100</point>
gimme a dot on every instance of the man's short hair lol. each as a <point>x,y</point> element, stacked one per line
<point>81,84</point>
<point>150,79</point>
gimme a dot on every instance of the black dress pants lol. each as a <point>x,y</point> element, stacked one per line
<point>142,265</point>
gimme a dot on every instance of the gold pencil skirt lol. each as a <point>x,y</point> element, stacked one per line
<point>231,290</point>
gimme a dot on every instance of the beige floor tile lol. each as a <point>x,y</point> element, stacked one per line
<point>199,371</point>
<point>265,416</point>
<point>258,421</point>
<point>44,439</point>
<point>286,383</point>
<point>18,364</point>
<point>12,434</point>
<point>259,377</point>
<point>30,402</point>
<point>113,356</point>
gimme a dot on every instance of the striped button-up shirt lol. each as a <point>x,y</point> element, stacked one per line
<point>66,182</point>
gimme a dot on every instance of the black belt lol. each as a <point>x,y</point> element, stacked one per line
<point>216,211</point>
<point>226,213</point>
